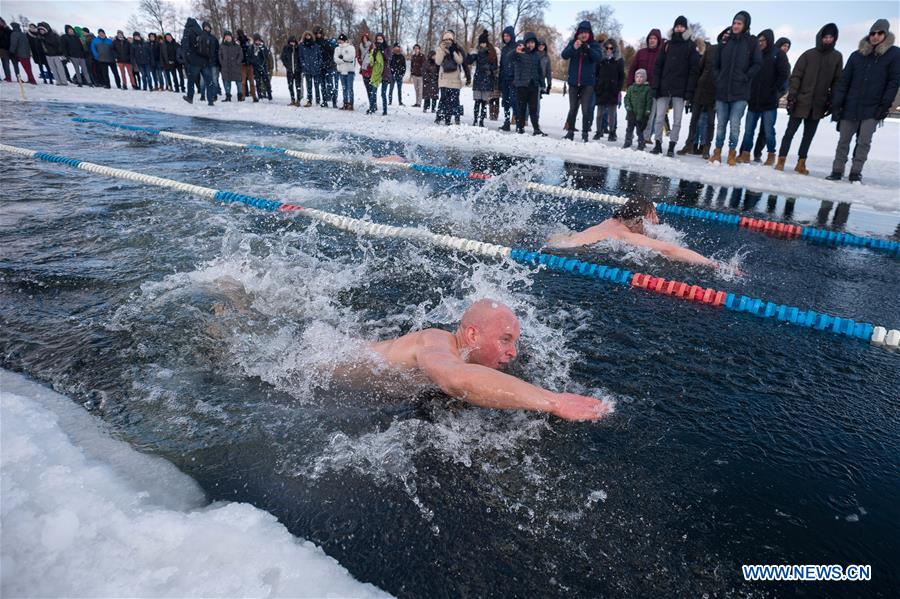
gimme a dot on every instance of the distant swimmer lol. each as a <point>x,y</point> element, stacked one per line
<point>466,364</point>
<point>627,225</point>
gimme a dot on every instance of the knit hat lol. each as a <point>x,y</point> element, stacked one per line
<point>682,20</point>
<point>136,34</point>
<point>483,38</point>
<point>342,38</point>
<point>257,37</point>
<point>98,31</point>
<point>642,73</point>
<point>881,25</point>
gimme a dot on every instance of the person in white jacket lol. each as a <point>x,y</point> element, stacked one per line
<point>345,59</point>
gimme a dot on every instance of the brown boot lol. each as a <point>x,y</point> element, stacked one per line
<point>705,151</point>
<point>770,159</point>
<point>732,157</point>
<point>744,158</point>
<point>801,166</point>
<point>716,156</point>
<point>779,166</point>
<point>685,150</point>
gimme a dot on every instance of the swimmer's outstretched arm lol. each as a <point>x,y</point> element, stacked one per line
<point>490,388</point>
<point>669,250</point>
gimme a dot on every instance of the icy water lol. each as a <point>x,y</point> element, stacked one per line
<point>193,329</point>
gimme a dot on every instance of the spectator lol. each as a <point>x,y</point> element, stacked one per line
<point>863,97</point>
<point>53,51</point>
<point>430,87</point>
<point>259,60</point>
<point>197,46</point>
<point>416,65</point>
<point>214,65</point>
<point>122,54</point>
<point>328,70</point>
<point>311,65</point>
<point>703,107</point>
<point>398,71</point>
<point>449,57</point>
<point>290,58</point>
<point>674,79</point>
<point>231,57</point>
<point>37,53</point>
<point>486,65</point>
<point>378,61</point>
<point>528,79</point>
<point>248,82</point>
<point>74,52</point>
<point>140,58</point>
<point>783,44</point>
<point>345,61</point>
<point>645,58</point>
<point>20,50</point>
<point>763,103</point>
<point>365,67</point>
<point>168,53</point>
<point>638,107</point>
<point>583,54</point>
<point>546,71</point>
<point>505,78</point>
<point>608,87</point>
<point>809,94</point>
<point>5,42</point>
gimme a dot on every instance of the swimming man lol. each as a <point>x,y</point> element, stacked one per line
<point>627,225</point>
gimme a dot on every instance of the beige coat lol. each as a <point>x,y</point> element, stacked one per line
<point>451,79</point>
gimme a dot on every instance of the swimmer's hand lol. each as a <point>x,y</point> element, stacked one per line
<point>570,406</point>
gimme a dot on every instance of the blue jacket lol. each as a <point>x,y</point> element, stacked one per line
<point>583,61</point>
<point>506,55</point>
<point>870,80</point>
<point>311,57</point>
<point>102,54</point>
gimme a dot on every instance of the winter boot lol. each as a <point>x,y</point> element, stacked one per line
<point>585,135</point>
<point>685,150</point>
<point>671,152</point>
<point>520,130</point>
<point>627,143</point>
<point>241,99</point>
<point>475,111</point>
<point>308,103</point>
<point>779,166</point>
<point>716,156</point>
<point>835,176</point>
<point>598,135</point>
<point>855,178</point>
<point>188,100</point>
<point>801,166</point>
<point>505,125</point>
<point>770,159</point>
<point>611,136</point>
<point>732,157</point>
<point>570,135</point>
<point>227,99</point>
<point>704,152</point>
<point>744,158</point>
<point>539,133</point>
<point>757,158</point>
<point>657,147</point>
<point>642,145</point>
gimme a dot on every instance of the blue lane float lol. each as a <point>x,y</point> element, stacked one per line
<point>877,335</point>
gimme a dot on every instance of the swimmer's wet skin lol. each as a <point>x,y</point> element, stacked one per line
<point>627,225</point>
<point>466,365</point>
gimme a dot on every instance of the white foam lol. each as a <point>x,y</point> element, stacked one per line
<point>84,514</point>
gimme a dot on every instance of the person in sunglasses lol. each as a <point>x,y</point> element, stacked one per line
<point>863,97</point>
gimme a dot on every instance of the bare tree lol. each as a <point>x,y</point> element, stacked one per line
<point>602,21</point>
<point>152,15</point>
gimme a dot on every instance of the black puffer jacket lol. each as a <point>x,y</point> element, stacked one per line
<point>37,48</point>
<point>192,31</point>
<point>610,76</point>
<point>705,93</point>
<point>869,84</point>
<point>71,44</point>
<point>677,67</point>
<point>122,49</point>
<point>770,79</point>
<point>168,54</point>
<point>140,52</point>
<point>485,61</point>
<point>737,62</point>
<point>50,40</point>
<point>527,66</point>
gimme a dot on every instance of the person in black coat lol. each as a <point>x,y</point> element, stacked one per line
<point>764,94</point>
<point>528,81</point>
<point>737,62</point>
<point>608,87</point>
<point>168,53</point>
<point>248,82</point>
<point>53,51</point>
<point>484,82</point>
<point>215,68</point>
<point>863,97</point>
<point>674,79</point>
<point>259,60</point>
<point>122,54</point>
<point>783,44</point>
<point>398,70</point>
<point>290,58</point>
<point>140,60</point>
<point>37,53</point>
<point>73,50</point>
<point>156,65</point>
<point>198,46</point>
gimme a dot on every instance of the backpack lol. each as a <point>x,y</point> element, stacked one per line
<point>203,46</point>
<point>448,64</point>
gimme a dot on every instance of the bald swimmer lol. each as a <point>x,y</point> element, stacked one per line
<point>466,364</point>
<point>627,225</point>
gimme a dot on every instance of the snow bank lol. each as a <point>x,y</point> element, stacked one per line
<point>84,514</point>
<point>881,174</point>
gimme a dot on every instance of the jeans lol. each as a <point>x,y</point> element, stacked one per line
<point>729,115</point>
<point>156,72</point>
<point>145,76</point>
<point>226,84</point>
<point>583,96</point>
<point>329,87</point>
<point>809,131</point>
<point>398,81</point>
<point>372,92</point>
<point>347,87</point>
<point>295,85</point>
<point>384,89</point>
<point>313,82</point>
<point>768,128</point>
<point>194,76</point>
<point>863,130</point>
<point>662,105</point>
<point>702,127</point>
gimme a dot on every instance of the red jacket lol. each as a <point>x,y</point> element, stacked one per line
<point>645,58</point>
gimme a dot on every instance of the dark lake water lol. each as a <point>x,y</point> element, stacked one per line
<point>194,330</point>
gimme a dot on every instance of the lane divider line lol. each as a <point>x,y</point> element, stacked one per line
<point>768,227</point>
<point>877,335</point>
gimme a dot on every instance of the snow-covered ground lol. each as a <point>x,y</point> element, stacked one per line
<point>85,515</point>
<point>881,188</point>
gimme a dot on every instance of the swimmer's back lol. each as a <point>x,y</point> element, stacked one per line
<point>403,351</point>
<point>608,229</point>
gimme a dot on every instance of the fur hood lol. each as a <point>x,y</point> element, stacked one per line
<point>688,34</point>
<point>865,48</point>
<point>617,54</point>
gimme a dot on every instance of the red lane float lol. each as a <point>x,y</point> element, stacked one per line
<point>692,293</point>
<point>770,227</point>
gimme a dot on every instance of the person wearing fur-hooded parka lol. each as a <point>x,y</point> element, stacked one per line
<point>809,94</point>
<point>674,80</point>
<point>864,96</point>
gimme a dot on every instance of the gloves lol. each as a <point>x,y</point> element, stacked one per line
<point>836,115</point>
<point>688,106</point>
<point>791,103</point>
<point>882,112</point>
<point>827,108</point>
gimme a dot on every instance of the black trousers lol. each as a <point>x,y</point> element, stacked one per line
<point>696,112</point>
<point>809,131</point>
<point>527,97</point>
<point>583,96</point>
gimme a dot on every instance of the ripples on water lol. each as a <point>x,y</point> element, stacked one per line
<point>200,333</point>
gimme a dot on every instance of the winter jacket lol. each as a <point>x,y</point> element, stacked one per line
<point>527,66</point>
<point>774,71</point>
<point>345,58</point>
<point>168,54</point>
<point>737,63</point>
<point>365,68</point>
<point>645,58</point>
<point>102,50</point>
<point>140,53</point>
<point>398,64</point>
<point>814,77</point>
<point>327,50</point>
<point>5,37</point>
<point>310,57</point>
<point>778,43</point>
<point>376,61</point>
<point>290,58</point>
<point>259,58</point>
<point>869,84</point>
<point>639,101</point>
<point>192,33</point>
<point>416,64</point>
<point>155,52</point>
<point>37,48</point>
<point>449,77</point>
<point>583,61</point>
<point>18,43</point>
<point>71,45</point>
<point>122,50</point>
<point>430,87</point>
<point>546,70</point>
<point>610,77</point>
<point>705,92</point>
<point>245,44</point>
<point>485,69</point>
<point>231,57</point>
<point>506,56</point>
<point>677,67</point>
<point>50,41</point>
<point>214,56</point>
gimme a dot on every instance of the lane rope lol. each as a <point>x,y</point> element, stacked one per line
<point>768,227</point>
<point>877,335</point>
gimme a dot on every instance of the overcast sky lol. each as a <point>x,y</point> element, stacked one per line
<point>796,19</point>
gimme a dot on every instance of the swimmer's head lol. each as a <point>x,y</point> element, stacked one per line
<point>488,334</point>
<point>634,212</point>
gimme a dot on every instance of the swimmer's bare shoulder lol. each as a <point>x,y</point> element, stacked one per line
<point>605,230</point>
<point>405,351</point>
